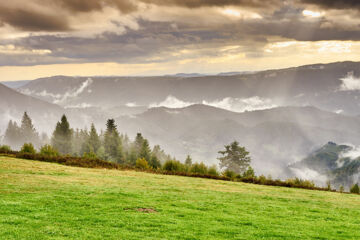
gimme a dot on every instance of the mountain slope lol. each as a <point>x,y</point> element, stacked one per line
<point>275,137</point>
<point>339,163</point>
<point>13,104</point>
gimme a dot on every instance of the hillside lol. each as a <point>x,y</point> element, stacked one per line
<point>43,200</point>
<point>339,163</point>
<point>13,104</point>
<point>275,137</point>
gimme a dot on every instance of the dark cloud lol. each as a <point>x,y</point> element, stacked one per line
<point>124,6</point>
<point>31,20</point>
<point>335,4</point>
<point>216,3</point>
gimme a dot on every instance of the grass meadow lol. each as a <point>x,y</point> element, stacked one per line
<point>50,201</point>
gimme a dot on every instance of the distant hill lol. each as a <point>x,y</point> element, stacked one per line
<point>321,85</point>
<point>275,137</point>
<point>14,104</point>
<point>15,84</point>
<point>339,163</point>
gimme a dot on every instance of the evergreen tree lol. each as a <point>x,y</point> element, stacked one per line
<point>139,140</point>
<point>235,158</point>
<point>160,154</point>
<point>28,132</point>
<point>79,139</point>
<point>355,189</point>
<point>188,160</point>
<point>154,162</point>
<point>120,156</point>
<point>145,151</point>
<point>131,156</point>
<point>13,135</point>
<point>62,137</point>
<point>92,143</point>
<point>111,140</point>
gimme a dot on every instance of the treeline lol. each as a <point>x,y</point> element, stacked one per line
<point>110,149</point>
<point>108,145</point>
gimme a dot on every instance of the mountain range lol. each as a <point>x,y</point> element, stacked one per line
<point>281,116</point>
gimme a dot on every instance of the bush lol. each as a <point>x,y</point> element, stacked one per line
<point>213,171</point>
<point>173,166</point>
<point>355,189</point>
<point>48,150</point>
<point>5,149</point>
<point>229,174</point>
<point>200,168</point>
<point>90,155</point>
<point>141,163</point>
<point>28,148</point>
<point>249,173</point>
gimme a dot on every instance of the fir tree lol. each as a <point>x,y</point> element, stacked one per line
<point>62,137</point>
<point>92,143</point>
<point>13,135</point>
<point>111,140</point>
<point>188,160</point>
<point>28,132</point>
<point>145,151</point>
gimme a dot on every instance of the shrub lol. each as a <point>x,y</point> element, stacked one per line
<point>90,155</point>
<point>5,149</point>
<point>213,171</point>
<point>173,166</point>
<point>199,168</point>
<point>28,148</point>
<point>48,150</point>
<point>355,189</point>
<point>341,189</point>
<point>230,174</point>
<point>141,163</point>
<point>249,173</point>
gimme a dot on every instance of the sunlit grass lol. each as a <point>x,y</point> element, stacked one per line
<point>50,201</point>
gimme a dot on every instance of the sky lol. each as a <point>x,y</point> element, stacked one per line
<point>41,38</point>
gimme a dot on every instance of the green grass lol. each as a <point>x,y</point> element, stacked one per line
<point>50,201</point>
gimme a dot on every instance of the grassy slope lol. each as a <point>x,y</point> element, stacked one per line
<point>50,201</point>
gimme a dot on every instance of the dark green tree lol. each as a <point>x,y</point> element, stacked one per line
<point>111,140</point>
<point>62,136</point>
<point>154,162</point>
<point>92,143</point>
<point>355,189</point>
<point>234,158</point>
<point>138,144</point>
<point>188,160</point>
<point>145,151</point>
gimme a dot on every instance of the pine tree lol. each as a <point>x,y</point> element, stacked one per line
<point>120,156</point>
<point>154,162</point>
<point>131,156</point>
<point>235,158</point>
<point>28,131</point>
<point>139,140</point>
<point>111,140</point>
<point>188,160</point>
<point>80,136</point>
<point>92,143</point>
<point>13,135</point>
<point>145,151</point>
<point>62,137</point>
